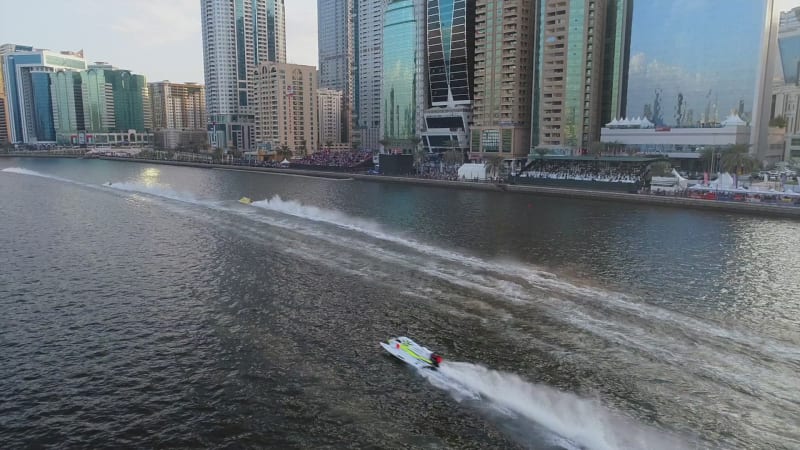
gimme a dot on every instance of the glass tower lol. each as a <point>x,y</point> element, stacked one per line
<point>337,55</point>
<point>692,67</point>
<point>451,31</point>
<point>67,98</point>
<point>398,93</point>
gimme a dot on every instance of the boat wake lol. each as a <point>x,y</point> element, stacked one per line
<point>585,423</point>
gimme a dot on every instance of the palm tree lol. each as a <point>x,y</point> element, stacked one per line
<point>303,148</point>
<point>778,122</point>
<point>283,152</point>
<point>420,155</point>
<point>494,165</point>
<point>328,143</point>
<point>660,168</point>
<point>453,157</point>
<point>384,143</point>
<point>736,159</point>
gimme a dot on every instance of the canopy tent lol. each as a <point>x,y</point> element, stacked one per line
<point>285,162</point>
<point>472,171</point>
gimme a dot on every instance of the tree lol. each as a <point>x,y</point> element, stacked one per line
<point>384,143</point>
<point>736,159</point>
<point>453,157</point>
<point>778,122</point>
<point>283,152</point>
<point>217,154</point>
<point>661,169</point>
<point>494,165</point>
<point>303,148</point>
<point>415,143</point>
<point>541,152</point>
<point>328,143</point>
<point>420,156</point>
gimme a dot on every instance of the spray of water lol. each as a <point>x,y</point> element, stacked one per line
<point>583,421</point>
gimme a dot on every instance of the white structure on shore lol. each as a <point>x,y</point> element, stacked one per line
<point>643,137</point>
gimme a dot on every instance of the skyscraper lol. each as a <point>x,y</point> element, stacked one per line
<point>238,35</point>
<point>582,70</point>
<point>403,89</point>
<point>369,57</point>
<point>337,55</point>
<point>27,82</point>
<point>503,82</point>
<point>67,95</point>
<point>450,57</point>
<point>700,62</point>
<point>5,124</point>
<point>179,114</point>
<point>180,106</point>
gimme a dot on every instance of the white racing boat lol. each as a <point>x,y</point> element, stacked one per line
<point>410,352</point>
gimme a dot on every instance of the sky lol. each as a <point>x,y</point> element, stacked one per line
<point>160,39</point>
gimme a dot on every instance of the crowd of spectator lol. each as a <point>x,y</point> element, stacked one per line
<point>437,171</point>
<point>339,159</point>
<point>585,171</point>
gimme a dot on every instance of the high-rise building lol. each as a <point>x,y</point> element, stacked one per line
<point>330,116</point>
<point>98,101</point>
<point>503,81</point>
<point>688,69</point>
<point>5,119</point>
<point>179,114</point>
<point>180,106</point>
<point>403,97</point>
<point>100,105</point>
<point>451,58</point>
<point>337,55</point>
<point>27,84</point>
<point>67,97</point>
<point>238,35</point>
<point>582,69</point>
<point>286,107</point>
<point>369,57</point>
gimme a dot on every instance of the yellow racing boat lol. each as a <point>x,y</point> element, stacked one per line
<point>245,200</point>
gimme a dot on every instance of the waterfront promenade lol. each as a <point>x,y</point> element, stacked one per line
<point>584,194</point>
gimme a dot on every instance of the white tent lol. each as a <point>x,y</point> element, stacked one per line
<point>285,162</point>
<point>472,172</point>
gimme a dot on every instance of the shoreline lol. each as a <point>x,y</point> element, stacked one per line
<point>582,194</point>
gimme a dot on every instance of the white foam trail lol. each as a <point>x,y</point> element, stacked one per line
<point>580,420</point>
<point>33,173</point>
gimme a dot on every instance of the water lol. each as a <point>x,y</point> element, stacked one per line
<point>144,306</point>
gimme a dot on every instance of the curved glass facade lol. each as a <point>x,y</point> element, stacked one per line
<point>398,105</point>
<point>692,66</point>
<point>451,30</point>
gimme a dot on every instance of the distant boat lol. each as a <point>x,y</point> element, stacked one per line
<point>245,200</point>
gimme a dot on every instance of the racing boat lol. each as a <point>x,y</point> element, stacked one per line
<point>410,352</point>
<point>245,200</point>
